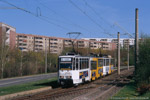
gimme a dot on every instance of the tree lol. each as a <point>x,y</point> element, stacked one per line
<point>66,50</point>
<point>142,75</point>
<point>12,66</point>
<point>4,50</point>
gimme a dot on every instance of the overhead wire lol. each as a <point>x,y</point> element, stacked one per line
<point>45,18</point>
<point>74,24</point>
<point>89,17</point>
<point>40,17</point>
<point>127,33</point>
<point>88,5</point>
<point>98,14</point>
<point>48,18</point>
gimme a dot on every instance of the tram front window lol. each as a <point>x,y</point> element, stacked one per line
<point>65,65</point>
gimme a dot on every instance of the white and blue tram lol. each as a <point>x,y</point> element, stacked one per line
<point>73,69</point>
<point>76,69</point>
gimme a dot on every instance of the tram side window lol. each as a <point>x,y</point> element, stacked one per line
<point>77,64</point>
<point>100,62</point>
<point>93,65</point>
<point>112,61</point>
<point>74,64</point>
<point>87,63</point>
<point>80,63</point>
<point>107,62</point>
<point>104,62</point>
<point>58,63</point>
<point>84,63</point>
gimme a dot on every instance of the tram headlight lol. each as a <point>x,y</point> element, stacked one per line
<point>61,76</point>
<point>68,77</point>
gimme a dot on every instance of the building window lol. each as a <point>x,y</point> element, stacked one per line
<point>24,44</point>
<point>38,38</point>
<point>24,36</point>
<point>80,41</point>
<point>20,43</point>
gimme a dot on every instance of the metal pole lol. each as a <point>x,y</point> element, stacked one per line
<point>21,63</point>
<point>115,57</point>
<point>118,53</point>
<point>49,42</point>
<point>128,54</point>
<point>77,47</point>
<point>136,39</point>
<point>45,55</point>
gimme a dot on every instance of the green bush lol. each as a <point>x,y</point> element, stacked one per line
<point>32,63</point>
<point>142,74</point>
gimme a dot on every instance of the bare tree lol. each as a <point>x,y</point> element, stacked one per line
<point>4,49</point>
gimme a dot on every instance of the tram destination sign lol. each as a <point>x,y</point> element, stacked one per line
<point>65,59</point>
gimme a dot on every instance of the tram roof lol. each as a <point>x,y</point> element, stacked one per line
<point>75,56</point>
<point>72,56</point>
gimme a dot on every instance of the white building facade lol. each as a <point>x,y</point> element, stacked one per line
<point>123,41</point>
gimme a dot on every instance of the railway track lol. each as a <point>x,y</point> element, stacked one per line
<point>91,91</point>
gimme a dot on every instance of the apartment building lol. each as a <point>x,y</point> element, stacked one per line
<point>7,35</point>
<point>123,41</point>
<point>37,43</point>
<point>28,42</point>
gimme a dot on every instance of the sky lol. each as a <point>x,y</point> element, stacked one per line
<point>92,18</point>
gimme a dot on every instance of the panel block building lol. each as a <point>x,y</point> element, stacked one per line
<point>123,41</point>
<point>28,42</point>
<point>7,35</point>
<point>37,43</point>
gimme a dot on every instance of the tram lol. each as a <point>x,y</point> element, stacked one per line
<point>75,69</point>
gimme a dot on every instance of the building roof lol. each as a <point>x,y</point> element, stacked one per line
<point>1,23</point>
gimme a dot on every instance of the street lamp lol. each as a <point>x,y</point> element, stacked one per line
<point>45,55</point>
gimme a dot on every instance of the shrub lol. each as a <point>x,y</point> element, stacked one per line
<point>142,74</point>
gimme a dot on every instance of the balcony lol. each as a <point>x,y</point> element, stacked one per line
<point>53,43</point>
<point>23,48</point>
<point>21,36</point>
<point>22,40</point>
<point>81,46</point>
<point>22,44</point>
<point>53,39</point>
<point>81,42</point>
<point>40,38</point>
<point>38,41</point>
<point>53,47</point>
<point>38,45</point>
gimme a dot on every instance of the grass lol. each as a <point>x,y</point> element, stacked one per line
<point>29,86</point>
<point>129,93</point>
